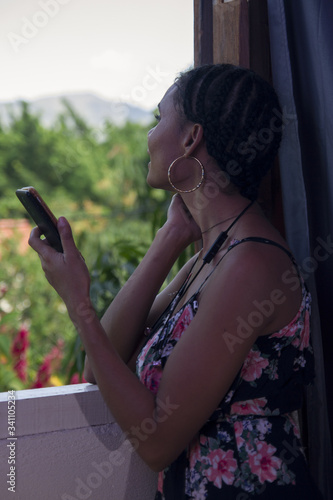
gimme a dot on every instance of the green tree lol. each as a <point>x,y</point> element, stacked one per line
<point>98,180</point>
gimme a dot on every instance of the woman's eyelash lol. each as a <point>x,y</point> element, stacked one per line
<point>157,117</point>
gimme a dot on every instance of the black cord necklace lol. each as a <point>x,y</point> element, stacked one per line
<point>222,237</point>
<point>213,250</point>
<point>188,281</point>
<point>218,224</point>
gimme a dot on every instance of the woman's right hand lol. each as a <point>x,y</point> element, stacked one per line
<point>180,219</point>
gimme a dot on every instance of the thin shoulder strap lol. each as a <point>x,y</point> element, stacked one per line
<point>255,239</point>
<point>266,241</point>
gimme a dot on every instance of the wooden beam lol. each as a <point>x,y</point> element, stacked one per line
<point>236,32</point>
<point>260,58</point>
<point>231,32</point>
<point>203,32</point>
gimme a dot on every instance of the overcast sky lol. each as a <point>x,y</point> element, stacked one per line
<point>125,50</point>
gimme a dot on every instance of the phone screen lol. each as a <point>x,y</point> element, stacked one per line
<point>41,214</point>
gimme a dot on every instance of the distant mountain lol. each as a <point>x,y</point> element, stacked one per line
<point>93,109</point>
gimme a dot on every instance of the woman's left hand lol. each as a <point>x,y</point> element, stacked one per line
<point>180,218</point>
<point>67,271</point>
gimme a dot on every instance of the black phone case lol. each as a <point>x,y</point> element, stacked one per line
<point>41,218</point>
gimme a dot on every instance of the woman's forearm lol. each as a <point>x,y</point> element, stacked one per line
<point>130,402</point>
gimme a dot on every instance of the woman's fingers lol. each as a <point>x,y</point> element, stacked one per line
<point>42,247</point>
<point>66,235</point>
<point>66,271</point>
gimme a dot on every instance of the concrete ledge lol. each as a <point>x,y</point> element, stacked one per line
<point>55,408</point>
<point>67,446</point>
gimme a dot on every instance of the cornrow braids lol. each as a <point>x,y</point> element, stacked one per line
<point>205,84</point>
<point>237,110</point>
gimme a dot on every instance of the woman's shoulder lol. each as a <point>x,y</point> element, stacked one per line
<point>260,240</point>
<point>264,275</point>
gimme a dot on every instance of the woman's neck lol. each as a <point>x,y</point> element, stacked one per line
<point>214,215</point>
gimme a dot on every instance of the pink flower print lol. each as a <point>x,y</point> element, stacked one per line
<point>182,323</point>
<point>263,463</point>
<point>145,350</point>
<point>288,330</point>
<point>151,376</point>
<point>228,397</point>
<point>305,334</point>
<point>302,339</point>
<point>203,440</point>
<point>195,452</point>
<point>160,481</point>
<point>249,407</point>
<point>293,419</point>
<point>238,426</point>
<point>223,466</point>
<point>297,341</point>
<point>253,366</point>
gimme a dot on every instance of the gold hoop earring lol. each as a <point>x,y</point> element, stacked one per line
<point>188,158</point>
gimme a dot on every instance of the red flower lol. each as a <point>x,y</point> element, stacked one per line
<point>20,343</point>
<point>43,374</point>
<point>50,364</point>
<point>76,379</point>
<point>19,353</point>
<point>21,368</point>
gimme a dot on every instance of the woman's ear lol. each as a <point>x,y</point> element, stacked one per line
<point>193,138</point>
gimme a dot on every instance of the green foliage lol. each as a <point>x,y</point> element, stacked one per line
<point>71,163</point>
<point>110,271</point>
<point>97,179</point>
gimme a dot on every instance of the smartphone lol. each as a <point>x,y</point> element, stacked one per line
<point>41,214</point>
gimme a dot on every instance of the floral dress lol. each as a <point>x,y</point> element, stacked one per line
<point>250,446</point>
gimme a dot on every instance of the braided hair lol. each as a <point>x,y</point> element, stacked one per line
<point>241,119</point>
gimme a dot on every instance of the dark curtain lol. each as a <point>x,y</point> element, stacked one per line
<point>301,39</point>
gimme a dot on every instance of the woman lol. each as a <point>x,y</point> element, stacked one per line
<point>207,373</point>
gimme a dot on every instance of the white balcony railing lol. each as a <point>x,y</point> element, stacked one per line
<point>65,445</point>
